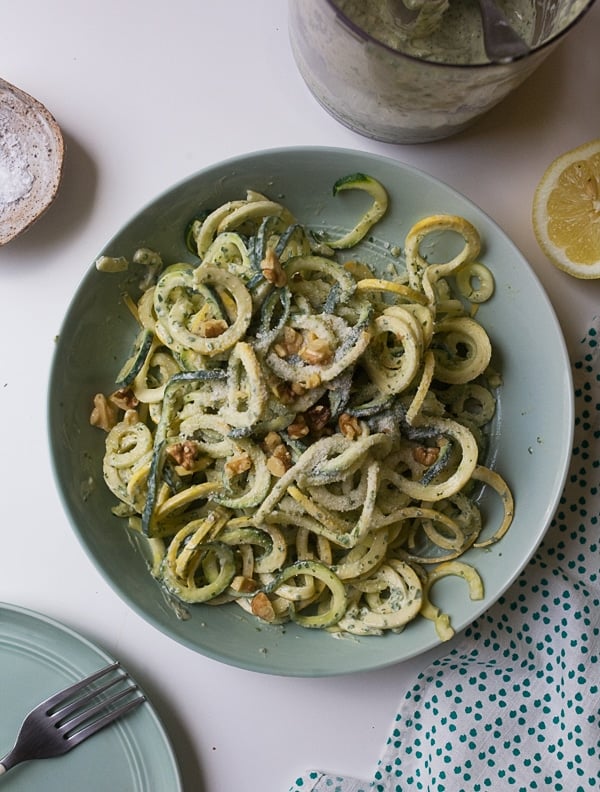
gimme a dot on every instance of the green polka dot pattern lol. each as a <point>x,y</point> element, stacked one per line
<point>516,704</point>
<point>316,781</point>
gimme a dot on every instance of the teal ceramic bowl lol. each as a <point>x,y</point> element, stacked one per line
<point>531,436</point>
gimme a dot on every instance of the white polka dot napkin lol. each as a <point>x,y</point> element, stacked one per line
<point>516,705</point>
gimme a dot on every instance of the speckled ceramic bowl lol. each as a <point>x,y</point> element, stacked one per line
<point>31,160</point>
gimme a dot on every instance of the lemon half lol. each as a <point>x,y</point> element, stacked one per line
<point>566,211</point>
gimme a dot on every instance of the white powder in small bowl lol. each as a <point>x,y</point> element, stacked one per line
<point>31,160</point>
<point>15,177</point>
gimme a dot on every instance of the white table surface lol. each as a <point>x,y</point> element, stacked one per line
<point>147,93</point>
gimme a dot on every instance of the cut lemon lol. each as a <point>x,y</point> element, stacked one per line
<point>566,211</point>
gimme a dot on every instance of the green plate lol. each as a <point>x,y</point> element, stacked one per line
<point>38,657</point>
<point>531,437</point>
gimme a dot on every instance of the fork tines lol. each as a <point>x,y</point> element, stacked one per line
<point>84,708</point>
<point>70,716</point>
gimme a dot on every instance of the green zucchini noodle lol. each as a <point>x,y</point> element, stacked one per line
<point>299,435</point>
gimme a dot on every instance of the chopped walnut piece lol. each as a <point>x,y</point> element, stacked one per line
<point>297,388</point>
<point>185,453</point>
<point>124,398</point>
<point>312,381</point>
<point>281,452</point>
<point>131,417</point>
<point>238,464</point>
<point>349,426</point>
<point>316,351</point>
<point>262,607</point>
<point>243,584</point>
<point>104,414</point>
<point>276,466</point>
<point>317,417</point>
<point>278,457</point>
<point>426,455</point>
<point>272,270</point>
<point>282,391</point>
<point>290,343</point>
<point>271,441</point>
<point>210,328</point>
<point>298,428</point>
<point>286,392</point>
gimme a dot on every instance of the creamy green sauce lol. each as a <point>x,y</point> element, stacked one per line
<point>451,35</point>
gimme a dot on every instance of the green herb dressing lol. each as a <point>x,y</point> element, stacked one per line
<point>456,38</point>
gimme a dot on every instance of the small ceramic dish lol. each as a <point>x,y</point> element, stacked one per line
<point>31,160</point>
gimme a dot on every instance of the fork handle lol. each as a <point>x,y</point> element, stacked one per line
<point>9,761</point>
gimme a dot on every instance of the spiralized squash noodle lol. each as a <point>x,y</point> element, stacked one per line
<point>301,436</point>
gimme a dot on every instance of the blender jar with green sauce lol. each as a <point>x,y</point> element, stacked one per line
<point>374,79</point>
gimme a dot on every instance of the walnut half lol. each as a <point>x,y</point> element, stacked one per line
<point>185,453</point>
<point>104,414</point>
<point>426,455</point>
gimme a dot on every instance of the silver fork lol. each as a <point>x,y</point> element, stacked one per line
<point>72,715</point>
